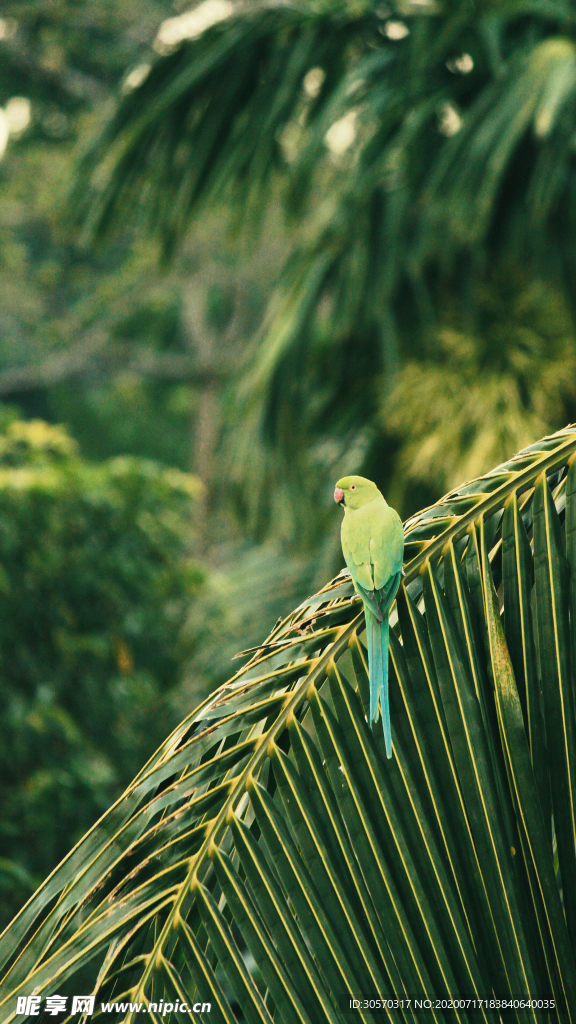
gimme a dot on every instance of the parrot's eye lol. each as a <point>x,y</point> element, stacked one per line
<point>352,487</point>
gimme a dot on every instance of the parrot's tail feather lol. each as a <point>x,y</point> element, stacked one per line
<point>377,637</point>
<point>373,637</point>
<point>384,698</point>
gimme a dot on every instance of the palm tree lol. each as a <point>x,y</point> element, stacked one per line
<point>422,153</point>
<point>271,862</point>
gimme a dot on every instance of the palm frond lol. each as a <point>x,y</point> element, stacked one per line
<point>269,860</point>
<point>210,119</point>
<point>416,149</point>
<point>187,132</point>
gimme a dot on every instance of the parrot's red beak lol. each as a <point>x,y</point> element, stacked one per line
<point>339,495</point>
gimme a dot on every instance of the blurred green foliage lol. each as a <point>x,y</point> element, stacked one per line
<point>470,396</point>
<point>96,582</point>
<point>56,297</point>
<point>422,155</point>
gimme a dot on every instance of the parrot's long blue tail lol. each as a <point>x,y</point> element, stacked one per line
<point>377,636</point>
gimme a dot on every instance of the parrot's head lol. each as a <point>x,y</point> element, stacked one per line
<point>354,491</point>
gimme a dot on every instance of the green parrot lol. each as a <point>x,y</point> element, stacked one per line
<point>373,547</point>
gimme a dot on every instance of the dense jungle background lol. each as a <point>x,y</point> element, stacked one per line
<point>245,249</point>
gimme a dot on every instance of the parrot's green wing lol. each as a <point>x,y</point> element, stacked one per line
<point>371,599</point>
<point>373,546</point>
<point>386,544</point>
<point>379,601</point>
<point>356,551</point>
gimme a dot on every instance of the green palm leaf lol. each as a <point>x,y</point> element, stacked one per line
<point>269,859</point>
